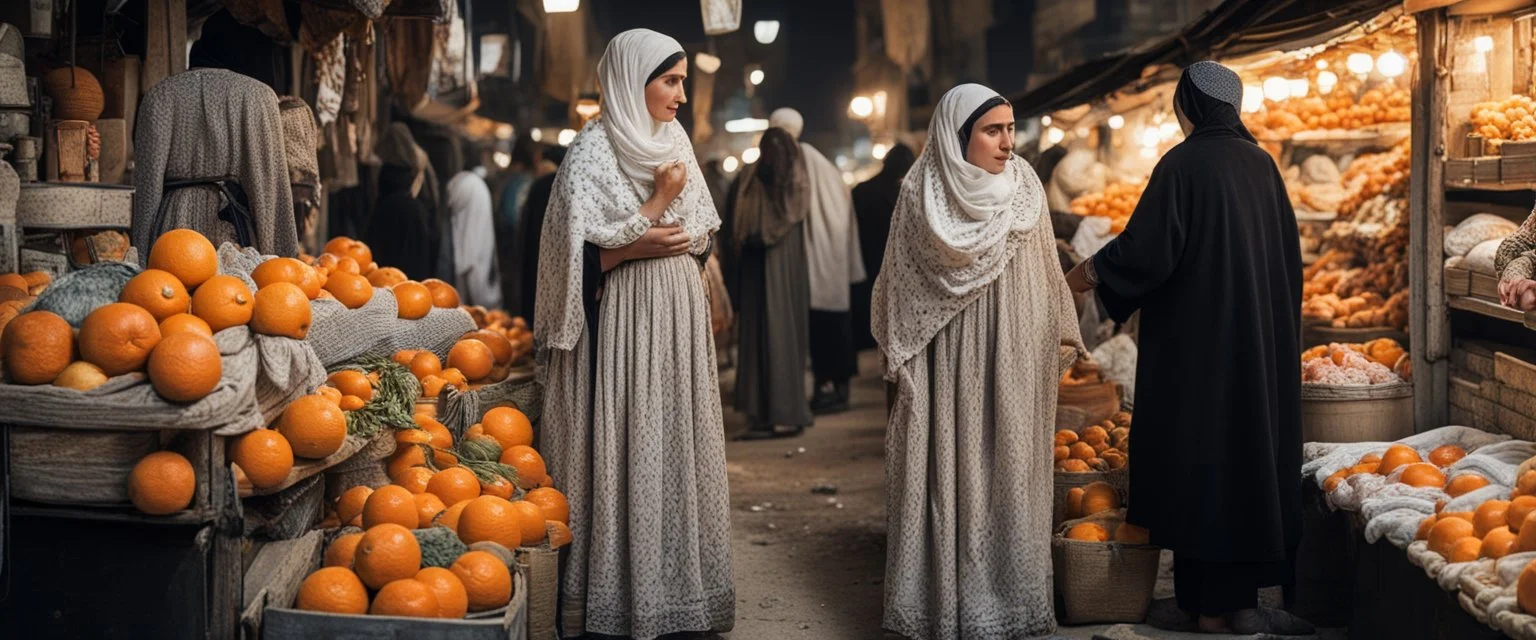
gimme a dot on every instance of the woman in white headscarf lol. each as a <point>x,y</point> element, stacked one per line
<point>976,324</point>
<point>632,425</point>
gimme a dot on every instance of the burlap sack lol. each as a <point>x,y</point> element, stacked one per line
<point>340,335</point>
<point>460,410</point>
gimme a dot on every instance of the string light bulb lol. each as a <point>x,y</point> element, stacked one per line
<point>706,63</point>
<point>1055,136</point>
<point>1299,88</point>
<point>862,106</point>
<point>566,136</point>
<point>878,151</point>
<point>756,77</point>
<point>1391,64</point>
<point>561,6</point>
<point>1322,65</point>
<point>1326,82</point>
<point>1253,98</point>
<point>766,31</point>
<point>750,155</point>
<point>1277,89</point>
<point>1359,63</point>
<point>1483,44</point>
<point>1116,122</point>
<point>1045,121</point>
<point>731,164</point>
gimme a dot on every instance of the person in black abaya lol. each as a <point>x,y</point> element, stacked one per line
<point>1211,258</point>
<point>400,229</point>
<point>531,229</point>
<point>874,201</point>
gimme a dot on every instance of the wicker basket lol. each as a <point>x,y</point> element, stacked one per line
<point>1381,413</point>
<point>1065,481</point>
<point>1103,582</point>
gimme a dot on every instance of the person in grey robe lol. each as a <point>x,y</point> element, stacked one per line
<point>764,255</point>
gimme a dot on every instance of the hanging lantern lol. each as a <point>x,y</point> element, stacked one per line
<point>561,6</point>
<point>720,16</point>
<point>766,31</point>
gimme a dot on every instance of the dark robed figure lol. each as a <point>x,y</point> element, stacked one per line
<point>1212,260</point>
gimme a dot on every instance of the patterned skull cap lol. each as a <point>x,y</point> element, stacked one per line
<point>1218,82</point>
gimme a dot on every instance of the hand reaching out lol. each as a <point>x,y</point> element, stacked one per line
<point>1519,294</point>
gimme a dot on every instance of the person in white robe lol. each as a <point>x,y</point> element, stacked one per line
<point>976,323</point>
<point>474,241</point>
<point>835,264</point>
<point>632,426</point>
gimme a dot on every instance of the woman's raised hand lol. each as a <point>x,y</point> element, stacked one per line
<point>671,177</point>
<point>1519,294</point>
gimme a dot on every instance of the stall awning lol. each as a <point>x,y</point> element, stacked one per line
<point>1234,28</point>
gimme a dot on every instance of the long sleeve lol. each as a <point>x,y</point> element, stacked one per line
<point>1143,257</point>
<point>1516,258</point>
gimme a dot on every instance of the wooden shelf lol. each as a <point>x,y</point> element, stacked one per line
<point>110,514</point>
<point>1493,310</point>
<point>1491,173</point>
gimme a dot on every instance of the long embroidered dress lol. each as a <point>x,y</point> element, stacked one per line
<point>632,427</point>
<point>968,449</point>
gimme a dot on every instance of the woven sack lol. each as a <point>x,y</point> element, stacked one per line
<point>287,514</point>
<point>543,569</point>
<point>460,410</point>
<point>1101,582</point>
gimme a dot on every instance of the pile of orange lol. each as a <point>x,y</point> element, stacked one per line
<point>380,572</point>
<point>17,291</point>
<point>313,426</point>
<point>513,329</point>
<point>1415,470</point>
<point>156,327</point>
<point>473,359</point>
<point>348,274</point>
<point>1100,447</point>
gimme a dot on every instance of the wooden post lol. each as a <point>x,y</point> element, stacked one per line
<point>1429,320</point>
<point>165,42</point>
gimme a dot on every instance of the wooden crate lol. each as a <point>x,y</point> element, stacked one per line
<point>1484,286</point>
<point>72,467</point>
<point>1458,281</point>
<point>1515,373</point>
<point>1513,424</point>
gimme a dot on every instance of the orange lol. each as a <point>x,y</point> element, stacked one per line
<point>1397,456</point>
<point>80,376</point>
<point>413,300</point>
<point>1131,534</point>
<point>1073,465</point>
<point>529,465</point>
<point>1422,474</point>
<point>347,265</point>
<point>425,364</point>
<point>278,270</point>
<point>158,292</point>
<point>118,338</point>
<point>390,504</point>
<point>37,346</point>
<point>1498,543</point>
<point>415,479</point>
<point>14,281</point>
<point>499,487</point>
<point>351,290</point>
<point>1082,451</point>
<point>186,254</point>
<point>1088,532</point>
<point>472,358</point>
<point>281,309</point>
<point>1464,484</point>
<point>450,517</point>
<point>185,322</point>
<point>1490,515</point>
<point>333,590</point>
<point>531,517</point>
<point>1061,453</point>
<point>475,431</point>
<point>454,378</point>
<point>329,393</point>
<point>343,550</point>
<point>440,437</point>
<point>1446,532</point>
<point>1526,484</point>
<point>1518,509</point>
<point>432,386</point>
<point>1370,457</point>
<point>508,426</point>
<point>501,348</point>
<point>552,502</point>
<point>1099,497</point>
<point>386,277</point>
<point>352,382</point>
<point>403,357</point>
<point>162,483</point>
<point>1075,503</point>
<point>1527,535</point>
<point>404,458</point>
<point>486,579</point>
<point>1066,438</point>
<point>1525,589</point>
<point>387,552</point>
<point>185,367</point>
<point>428,507</point>
<point>223,302</point>
<point>350,504</point>
<point>412,436</point>
<point>351,403</point>
<point>1427,524</point>
<point>444,296</point>
<point>559,534</point>
<point>454,485</point>
<point>407,598</point>
<point>342,246</point>
<point>490,519</point>
<point>1446,456</point>
<point>265,457</point>
<point>452,599</point>
<point>1095,435</point>
<point>314,426</point>
<point>1465,550</point>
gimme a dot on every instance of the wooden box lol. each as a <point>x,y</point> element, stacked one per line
<point>1519,169</point>
<point>72,467</point>
<point>1459,172</point>
<point>1515,373</point>
<point>1484,286</point>
<point>1513,424</point>
<point>1486,170</point>
<point>1458,281</point>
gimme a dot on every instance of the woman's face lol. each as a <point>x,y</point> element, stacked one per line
<point>664,95</point>
<point>992,140</point>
